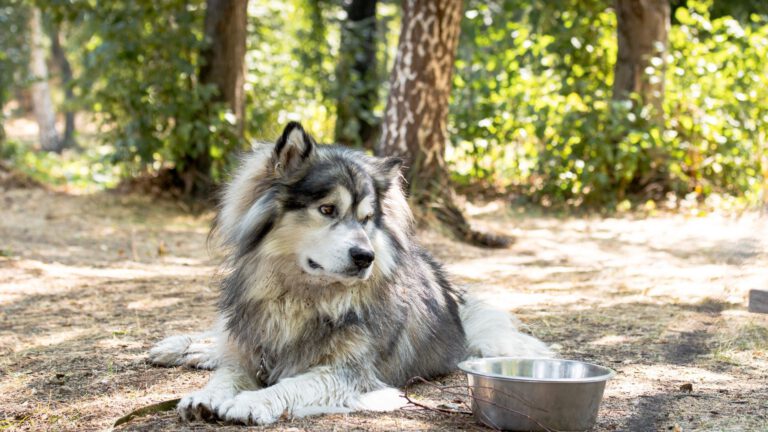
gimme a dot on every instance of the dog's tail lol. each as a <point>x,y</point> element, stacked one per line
<point>197,350</point>
<point>494,333</point>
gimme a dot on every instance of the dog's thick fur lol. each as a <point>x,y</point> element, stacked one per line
<point>327,304</point>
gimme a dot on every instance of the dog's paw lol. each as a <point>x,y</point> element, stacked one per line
<point>183,350</point>
<point>203,404</point>
<point>169,351</point>
<point>251,408</point>
<point>386,399</point>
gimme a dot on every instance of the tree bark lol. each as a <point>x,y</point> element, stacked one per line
<point>415,122</point>
<point>416,116</point>
<point>223,65</point>
<point>642,35</point>
<point>60,58</point>
<point>356,75</point>
<point>224,58</point>
<point>41,94</point>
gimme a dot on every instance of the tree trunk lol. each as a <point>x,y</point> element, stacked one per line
<point>2,117</point>
<point>41,94</point>
<point>60,58</point>
<point>356,75</point>
<point>642,35</point>
<point>223,65</point>
<point>415,124</point>
<point>420,86</point>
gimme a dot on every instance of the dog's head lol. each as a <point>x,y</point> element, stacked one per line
<point>338,214</point>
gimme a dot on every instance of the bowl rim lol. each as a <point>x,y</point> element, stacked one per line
<point>464,367</point>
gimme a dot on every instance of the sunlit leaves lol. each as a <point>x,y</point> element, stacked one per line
<point>138,65</point>
<point>549,125</point>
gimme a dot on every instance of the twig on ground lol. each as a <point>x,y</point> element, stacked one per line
<point>147,410</point>
<point>441,388</point>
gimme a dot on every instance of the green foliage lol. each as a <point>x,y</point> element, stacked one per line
<point>717,101</point>
<point>360,77</point>
<point>292,61</point>
<point>137,63</point>
<point>90,169</point>
<point>14,53</point>
<point>290,65</point>
<point>532,107</point>
<point>138,74</point>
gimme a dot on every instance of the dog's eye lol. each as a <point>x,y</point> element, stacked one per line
<point>366,219</point>
<point>327,210</point>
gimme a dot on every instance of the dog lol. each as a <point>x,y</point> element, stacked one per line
<point>327,303</point>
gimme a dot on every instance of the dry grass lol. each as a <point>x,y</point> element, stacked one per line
<point>88,283</point>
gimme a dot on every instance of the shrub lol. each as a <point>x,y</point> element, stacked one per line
<point>532,107</point>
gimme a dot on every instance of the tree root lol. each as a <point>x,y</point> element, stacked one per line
<point>452,217</point>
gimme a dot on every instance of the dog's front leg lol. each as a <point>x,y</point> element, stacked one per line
<point>320,390</point>
<point>222,387</point>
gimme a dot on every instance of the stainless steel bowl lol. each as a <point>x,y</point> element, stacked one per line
<point>522,394</point>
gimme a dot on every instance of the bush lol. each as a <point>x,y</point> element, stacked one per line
<point>14,55</point>
<point>532,107</point>
<point>138,75</point>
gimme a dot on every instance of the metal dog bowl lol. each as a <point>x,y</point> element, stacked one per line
<point>535,394</point>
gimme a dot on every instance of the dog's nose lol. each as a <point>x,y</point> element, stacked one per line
<point>361,257</point>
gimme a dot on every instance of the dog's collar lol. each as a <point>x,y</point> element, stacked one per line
<point>262,371</point>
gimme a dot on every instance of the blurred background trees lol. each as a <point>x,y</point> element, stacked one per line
<point>222,67</point>
<point>565,103</point>
<point>356,122</point>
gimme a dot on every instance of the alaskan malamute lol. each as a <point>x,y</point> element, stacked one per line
<point>327,304</point>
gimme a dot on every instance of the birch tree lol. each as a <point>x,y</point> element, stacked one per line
<point>41,94</point>
<point>416,116</point>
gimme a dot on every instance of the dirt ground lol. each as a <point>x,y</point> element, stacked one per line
<point>88,283</point>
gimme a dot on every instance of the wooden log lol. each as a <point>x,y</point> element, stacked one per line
<point>758,301</point>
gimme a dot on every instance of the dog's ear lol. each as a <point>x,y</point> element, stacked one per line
<point>386,171</point>
<point>293,149</point>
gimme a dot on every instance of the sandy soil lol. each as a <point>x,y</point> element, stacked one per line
<point>88,283</point>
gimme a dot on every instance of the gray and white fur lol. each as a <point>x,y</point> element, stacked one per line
<point>327,304</point>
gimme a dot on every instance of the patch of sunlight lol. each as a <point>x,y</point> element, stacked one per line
<point>41,278</point>
<point>185,262</point>
<point>534,268</point>
<point>744,340</point>
<point>611,340</point>
<point>58,270</point>
<point>186,227</point>
<point>490,207</point>
<point>147,304</point>
<point>625,386</point>
<point>636,380</point>
<point>13,385</point>
<point>50,339</point>
<point>504,298</point>
<point>675,373</point>
<point>119,344</point>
